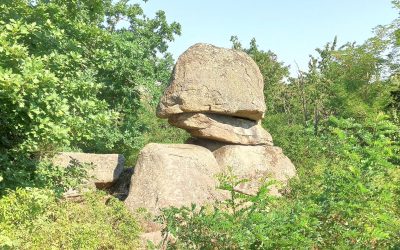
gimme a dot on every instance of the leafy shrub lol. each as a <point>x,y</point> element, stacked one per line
<point>70,78</point>
<point>61,179</point>
<point>346,197</point>
<point>36,219</point>
<point>156,130</point>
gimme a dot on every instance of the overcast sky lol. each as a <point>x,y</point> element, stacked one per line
<point>290,28</point>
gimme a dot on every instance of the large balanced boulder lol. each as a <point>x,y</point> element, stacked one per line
<point>215,94</point>
<point>255,163</point>
<point>173,175</point>
<point>210,79</point>
<point>222,128</point>
<point>105,169</point>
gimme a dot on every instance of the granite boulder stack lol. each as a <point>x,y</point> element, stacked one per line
<point>215,94</point>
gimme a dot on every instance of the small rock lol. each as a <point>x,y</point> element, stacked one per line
<point>107,167</point>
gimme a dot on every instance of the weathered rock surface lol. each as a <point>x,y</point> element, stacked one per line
<point>222,128</point>
<point>173,175</point>
<point>210,79</point>
<point>255,163</point>
<point>106,167</point>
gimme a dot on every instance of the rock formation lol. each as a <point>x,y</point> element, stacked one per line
<point>216,95</point>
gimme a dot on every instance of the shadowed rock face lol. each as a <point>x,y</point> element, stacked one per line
<point>173,175</point>
<point>214,80</point>
<point>209,144</point>
<point>222,128</point>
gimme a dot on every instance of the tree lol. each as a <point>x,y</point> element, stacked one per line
<point>273,71</point>
<point>71,77</point>
<point>344,82</point>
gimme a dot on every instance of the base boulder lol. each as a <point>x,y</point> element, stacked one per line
<point>173,175</point>
<point>255,163</point>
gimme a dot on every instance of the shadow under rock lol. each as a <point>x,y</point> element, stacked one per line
<point>120,189</point>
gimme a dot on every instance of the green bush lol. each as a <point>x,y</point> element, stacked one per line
<point>156,130</point>
<point>346,197</point>
<point>73,78</point>
<point>61,179</point>
<point>35,219</point>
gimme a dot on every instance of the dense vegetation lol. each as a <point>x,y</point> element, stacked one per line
<point>73,78</point>
<point>36,219</point>
<point>338,122</point>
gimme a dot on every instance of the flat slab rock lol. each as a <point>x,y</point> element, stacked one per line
<point>222,128</point>
<point>173,175</point>
<point>107,167</point>
<point>210,79</point>
<point>255,163</point>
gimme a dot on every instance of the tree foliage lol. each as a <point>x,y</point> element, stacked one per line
<point>85,75</point>
<point>36,219</point>
<point>338,123</point>
<point>273,71</point>
<point>346,197</point>
<point>72,77</point>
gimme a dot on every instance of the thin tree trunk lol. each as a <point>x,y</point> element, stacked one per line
<point>316,119</point>
<point>304,103</point>
<point>303,99</point>
<point>301,86</point>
